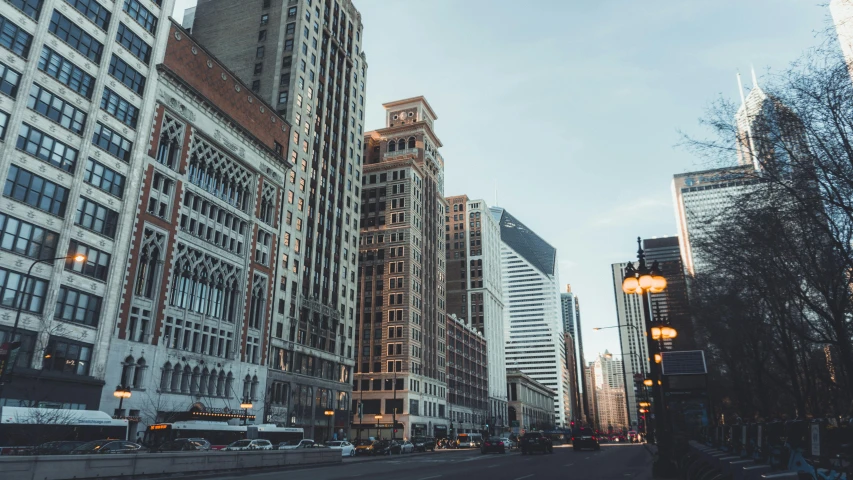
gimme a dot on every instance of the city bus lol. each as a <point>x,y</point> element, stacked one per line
<point>22,428</point>
<point>219,434</point>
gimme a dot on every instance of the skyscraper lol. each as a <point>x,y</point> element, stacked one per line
<point>305,58</point>
<point>401,323</point>
<point>672,304</point>
<point>572,325</point>
<point>842,16</point>
<point>533,322</point>
<point>474,289</point>
<point>610,392</point>
<point>632,338</point>
<point>78,89</point>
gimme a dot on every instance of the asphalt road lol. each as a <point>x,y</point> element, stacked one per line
<point>626,462</point>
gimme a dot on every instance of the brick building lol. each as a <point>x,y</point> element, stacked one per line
<point>467,377</point>
<point>400,350</point>
<point>306,59</point>
<point>77,81</point>
<point>194,316</point>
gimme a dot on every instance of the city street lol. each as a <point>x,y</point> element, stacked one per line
<point>611,462</point>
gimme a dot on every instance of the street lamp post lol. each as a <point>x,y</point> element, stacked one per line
<point>645,280</point>
<point>378,419</point>
<point>361,412</point>
<point>329,414</point>
<point>246,405</point>
<point>19,306</point>
<point>121,392</point>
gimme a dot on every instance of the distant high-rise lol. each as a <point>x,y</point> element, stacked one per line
<point>632,337</point>
<point>842,16</point>
<point>589,376</point>
<point>306,60</point>
<point>610,392</point>
<point>474,288</point>
<point>572,325</point>
<point>672,304</point>
<point>533,323</point>
<point>401,322</point>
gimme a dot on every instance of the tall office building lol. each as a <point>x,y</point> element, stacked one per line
<point>76,104</point>
<point>592,413</point>
<point>842,16</point>
<point>610,392</point>
<point>474,289</point>
<point>401,331</point>
<point>305,58</point>
<point>193,331</point>
<point>672,304</point>
<point>572,325</point>
<point>468,373</point>
<point>632,339</point>
<point>533,323</point>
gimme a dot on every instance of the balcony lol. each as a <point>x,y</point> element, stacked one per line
<point>401,153</point>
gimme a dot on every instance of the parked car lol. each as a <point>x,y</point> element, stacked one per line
<point>386,447</point>
<point>493,445</point>
<point>56,448</point>
<point>535,442</point>
<point>347,449</point>
<point>366,447</point>
<point>246,444</point>
<point>107,446</point>
<point>407,447</point>
<point>293,445</point>
<point>422,444</point>
<point>178,445</point>
<point>508,443</point>
<point>584,438</point>
<point>205,445</point>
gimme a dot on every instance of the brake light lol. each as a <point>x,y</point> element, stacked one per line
<point>488,444</point>
<point>573,439</point>
<point>593,439</point>
<point>500,444</point>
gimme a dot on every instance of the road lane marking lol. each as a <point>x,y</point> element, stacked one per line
<point>427,478</point>
<point>526,476</point>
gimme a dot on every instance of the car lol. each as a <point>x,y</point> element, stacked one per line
<point>407,447</point>
<point>584,438</point>
<point>178,445</point>
<point>535,442</point>
<point>107,447</point>
<point>246,444</point>
<point>294,444</point>
<point>492,445</point>
<point>386,447</point>
<point>365,447</point>
<point>422,444</point>
<point>347,449</point>
<point>508,443</point>
<point>57,448</point>
<point>205,445</point>
<point>469,440</point>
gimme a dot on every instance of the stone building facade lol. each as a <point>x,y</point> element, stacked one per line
<point>467,378</point>
<point>401,325</point>
<point>531,404</point>
<point>77,82</point>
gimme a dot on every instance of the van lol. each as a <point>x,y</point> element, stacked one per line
<point>469,440</point>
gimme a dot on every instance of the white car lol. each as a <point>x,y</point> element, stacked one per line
<point>246,444</point>
<point>347,449</point>
<point>509,444</point>
<point>407,447</point>
<point>304,443</point>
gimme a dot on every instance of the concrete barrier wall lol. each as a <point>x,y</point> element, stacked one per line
<point>67,467</point>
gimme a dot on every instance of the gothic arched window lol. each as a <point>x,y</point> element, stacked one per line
<point>411,142</point>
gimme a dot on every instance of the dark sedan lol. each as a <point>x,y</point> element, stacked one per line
<point>179,445</point>
<point>57,448</point>
<point>493,445</point>
<point>584,438</point>
<point>107,446</point>
<point>422,444</point>
<point>387,447</point>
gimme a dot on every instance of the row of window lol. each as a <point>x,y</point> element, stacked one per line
<point>56,109</point>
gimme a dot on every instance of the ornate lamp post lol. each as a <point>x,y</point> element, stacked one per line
<point>645,280</point>
<point>121,393</point>
<point>246,405</point>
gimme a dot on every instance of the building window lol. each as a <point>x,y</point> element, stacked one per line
<point>9,80</point>
<point>256,85</point>
<point>70,33</point>
<point>65,72</point>
<point>95,217</point>
<point>25,351</point>
<point>262,35</point>
<point>46,148</point>
<point>259,67</point>
<point>14,38</point>
<point>65,356</point>
<point>127,75</point>
<point>112,142</point>
<point>259,52</point>
<point>30,7</point>
<point>11,284</point>
<point>133,43</point>
<point>290,29</point>
<point>141,15</point>
<point>265,19</point>
<point>77,307</point>
<point>56,109</point>
<point>118,107</point>
<point>97,264</point>
<point>26,239</point>
<point>104,178</point>
<point>291,12</point>
<point>94,11</point>
<point>35,191</point>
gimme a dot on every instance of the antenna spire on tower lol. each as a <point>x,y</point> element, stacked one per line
<point>754,78</point>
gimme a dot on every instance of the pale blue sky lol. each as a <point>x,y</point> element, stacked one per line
<point>571,108</point>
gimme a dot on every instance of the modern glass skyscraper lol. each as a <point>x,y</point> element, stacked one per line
<point>572,325</point>
<point>533,322</point>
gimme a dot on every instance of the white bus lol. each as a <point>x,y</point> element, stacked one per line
<point>31,427</point>
<point>219,434</point>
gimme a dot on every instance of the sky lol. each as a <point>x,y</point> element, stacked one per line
<point>569,113</point>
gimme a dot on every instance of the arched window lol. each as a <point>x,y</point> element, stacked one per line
<point>392,146</point>
<point>254,391</point>
<point>137,373</point>
<point>411,142</point>
<point>177,375</point>
<point>127,369</point>
<point>166,377</point>
<point>247,387</point>
<point>401,144</point>
<point>256,311</point>
<point>203,382</point>
<point>229,385</point>
<point>220,384</point>
<point>211,383</point>
<point>186,379</point>
<point>147,272</point>
<point>196,373</point>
